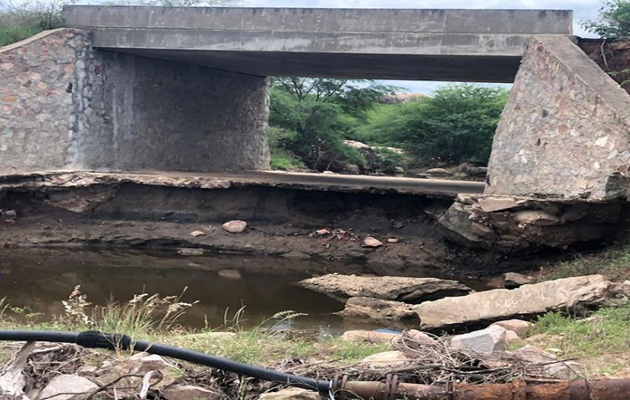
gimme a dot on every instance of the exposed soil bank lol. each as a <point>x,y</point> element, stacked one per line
<point>614,58</point>
<point>72,210</point>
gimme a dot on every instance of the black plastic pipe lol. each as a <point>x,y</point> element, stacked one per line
<point>95,339</point>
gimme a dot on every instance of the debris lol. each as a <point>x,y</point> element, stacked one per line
<point>395,288</point>
<point>547,364</point>
<point>536,217</point>
<point>235,226</point>
<point>377,309</point>
<point>197,233</point>
<point>12,378</point>
<point>322,232</point>
<point>372,242</point>
<point>492,305</point>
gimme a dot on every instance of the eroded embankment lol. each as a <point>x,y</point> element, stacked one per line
<point>101,209</point>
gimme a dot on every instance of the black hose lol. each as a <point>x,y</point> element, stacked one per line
<point>95,339</point>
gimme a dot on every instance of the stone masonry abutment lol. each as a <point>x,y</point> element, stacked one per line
<point>66,105</point>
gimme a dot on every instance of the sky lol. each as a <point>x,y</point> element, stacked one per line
<point>583,9</point>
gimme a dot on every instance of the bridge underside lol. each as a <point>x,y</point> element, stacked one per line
<point>496,69</point>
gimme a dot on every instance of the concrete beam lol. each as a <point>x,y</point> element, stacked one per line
<point>466,45</point>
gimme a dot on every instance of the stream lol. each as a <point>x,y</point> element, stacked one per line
<point>38,279</point>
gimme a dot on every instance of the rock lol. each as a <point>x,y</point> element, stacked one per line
<point>408,290</point>
<point>512,337</point>
<point>328,173</point>
<point>535,217</point>
<point>197,233</point>
<point>190,252</point>
<point>138,364</point>
<point>393,240</point>
<point>491,341</point>
<point>438,172</point>
<point>385,359</point>
<point>189,392</point>
<point>368,336</point>
<point>229,274</point>
<point>9,215</point>
<point>544,362</point>
<point>517,326</point>
<point>322,232</point>
<point>235,226</point>
<point>625,287</point>
<point>492,305</point>
<point>296,255</point>
<point>419,337</point>
<point>66,384</point>
<point>372,242</point>
<point>513,280</point>
<point>350,169</point>
<point>291,394</point>
<point>376,309</point>
<point>499,203</point>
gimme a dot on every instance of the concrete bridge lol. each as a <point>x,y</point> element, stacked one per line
<point>186,89</point>
<point>459,45</point>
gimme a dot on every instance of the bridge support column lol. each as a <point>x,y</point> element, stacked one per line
<point>99,110</point>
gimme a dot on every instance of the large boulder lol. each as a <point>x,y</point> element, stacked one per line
<point>366,308</point>
<point>493,305</point>
<point>408,290</point>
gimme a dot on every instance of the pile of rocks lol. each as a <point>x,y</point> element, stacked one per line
<point>445,305</point>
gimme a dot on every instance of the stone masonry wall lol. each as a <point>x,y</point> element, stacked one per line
<point>163,115</point>
<point>36,102</point>
<point>68,106</point>
<point>565,130</point>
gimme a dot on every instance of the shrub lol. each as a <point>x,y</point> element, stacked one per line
<point>613,22</point>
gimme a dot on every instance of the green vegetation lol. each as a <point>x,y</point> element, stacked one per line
<point>613,262</point>
<point>613,22</point>
<point>605,331</point>
<point>310,118</point>
<point>456,125</point>
<point>155,318</point>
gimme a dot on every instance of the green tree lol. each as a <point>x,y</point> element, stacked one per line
<point>310,118</point>
<point>456,125</point>
<point>613,22</point>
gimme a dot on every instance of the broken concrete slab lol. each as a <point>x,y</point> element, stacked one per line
<point>408,290</point>
<point>493,305</point>
<point>367,308</point>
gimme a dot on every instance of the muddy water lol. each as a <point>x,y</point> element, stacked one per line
<point>40,278</point>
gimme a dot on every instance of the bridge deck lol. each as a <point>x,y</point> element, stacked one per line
<point>422,44</point>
